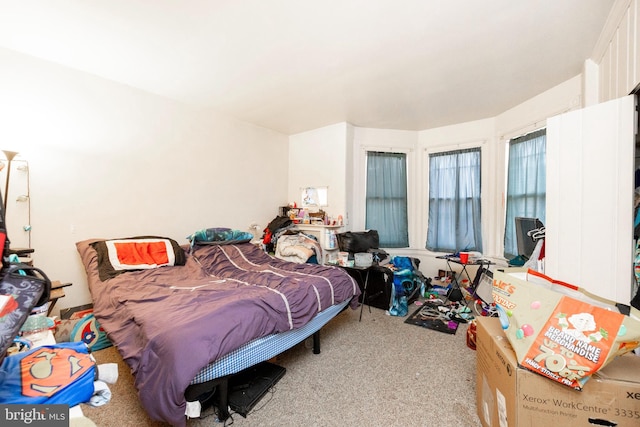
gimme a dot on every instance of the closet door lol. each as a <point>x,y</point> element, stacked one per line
<point>589,211</point>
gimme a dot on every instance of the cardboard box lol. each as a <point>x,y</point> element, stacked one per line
<point>560,331</point>
<point>509,396</point>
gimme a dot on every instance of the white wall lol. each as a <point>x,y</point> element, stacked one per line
<point>318,158</point>
<point>307,165</point>
<point>617,52</point>
<point>107,160</point>
<point>533,113</point>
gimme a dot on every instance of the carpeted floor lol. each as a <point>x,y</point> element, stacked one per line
<point>380,371</point>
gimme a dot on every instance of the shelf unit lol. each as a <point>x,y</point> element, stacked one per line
<point>322,233</point>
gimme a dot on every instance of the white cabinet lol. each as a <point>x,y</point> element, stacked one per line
<point>589,212</point>
<point>323,233</point>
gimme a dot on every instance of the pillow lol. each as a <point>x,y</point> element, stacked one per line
<point>85,329</point>
<point>117,256</point>
<point>219,236</point>
<point>88,330</point>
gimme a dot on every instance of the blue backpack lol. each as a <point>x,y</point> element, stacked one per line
<point>408,284</point>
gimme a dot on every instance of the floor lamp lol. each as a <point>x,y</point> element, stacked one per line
<point>10,155</point>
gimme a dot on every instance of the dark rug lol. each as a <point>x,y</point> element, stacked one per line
<point>431,317</point>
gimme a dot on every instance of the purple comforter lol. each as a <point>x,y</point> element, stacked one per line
<point>170,322</point>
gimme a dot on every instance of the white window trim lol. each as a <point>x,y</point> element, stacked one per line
<point>360,185</point>
<point>506,141</point>
<point>417,188</point>
<point>423,213</point>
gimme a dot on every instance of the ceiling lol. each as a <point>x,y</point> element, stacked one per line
<point>296,65</point>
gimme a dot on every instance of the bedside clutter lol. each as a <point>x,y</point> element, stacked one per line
<point>509,396</point>
<point>359,249</point>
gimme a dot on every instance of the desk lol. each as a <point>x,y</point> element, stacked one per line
<point>457,278</point>
<point>375,283</point>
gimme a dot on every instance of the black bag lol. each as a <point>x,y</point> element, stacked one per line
<point>22,288</point>
<point>277,223</point>
<point>27,287</point>
<point>358,241</point>
<point>454,294</point>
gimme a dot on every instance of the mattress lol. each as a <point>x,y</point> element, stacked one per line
<point>265,348</point>
<point>210,316</point>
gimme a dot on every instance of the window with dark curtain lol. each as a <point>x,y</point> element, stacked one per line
<point>454,201</point>
<point>386,198</point>
<point>526,184</point>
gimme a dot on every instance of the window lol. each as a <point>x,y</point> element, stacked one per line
<point>526,184</point>
<point>454,201</point>
<point>386,198</point>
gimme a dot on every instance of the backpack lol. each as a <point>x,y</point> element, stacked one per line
<point>22,287</point>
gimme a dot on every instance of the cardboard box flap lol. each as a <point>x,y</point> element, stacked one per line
<point>558,331</point>
<point>510,396</point>
<point>625,368</point>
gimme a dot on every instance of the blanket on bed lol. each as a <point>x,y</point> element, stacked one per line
<point>170,322</point>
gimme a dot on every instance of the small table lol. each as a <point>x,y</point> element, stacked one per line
<point>57,292</point>
<point>452,259</point>
<point>362,276</point>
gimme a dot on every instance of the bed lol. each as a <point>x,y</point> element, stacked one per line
<point>205,312</point>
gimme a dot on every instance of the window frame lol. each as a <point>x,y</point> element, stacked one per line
<point>356,198</point>
<point>405,155</point>
<point>425,194</point>
<point>507,148</point>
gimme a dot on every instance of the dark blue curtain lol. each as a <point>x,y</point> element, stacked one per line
<point>526,184</point>
<point>386,199</point>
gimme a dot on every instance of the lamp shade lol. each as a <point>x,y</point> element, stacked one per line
<point>10,155</point>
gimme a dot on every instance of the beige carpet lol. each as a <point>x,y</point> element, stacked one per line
<point>380,372</point>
